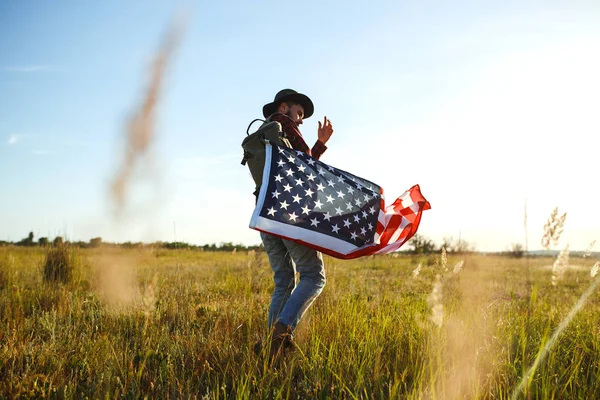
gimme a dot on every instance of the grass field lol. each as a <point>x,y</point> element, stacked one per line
<point>182,324</point>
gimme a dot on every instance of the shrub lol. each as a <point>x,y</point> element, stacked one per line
<point>59,264</point>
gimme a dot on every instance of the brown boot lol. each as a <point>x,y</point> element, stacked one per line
<point>280,337</point>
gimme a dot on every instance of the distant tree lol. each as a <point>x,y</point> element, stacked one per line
<point>517,250</point>
<point>58,241</point>
<point>420,244</point>
<point>457,245</point>
<point>28,241</point>
<point>95,242</point>
<point>227,246</point>
<point>43,241</point>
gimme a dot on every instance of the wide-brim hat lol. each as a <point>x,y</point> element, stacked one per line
<point>291,95</point>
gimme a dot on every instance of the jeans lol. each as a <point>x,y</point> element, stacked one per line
<point>290,301</point>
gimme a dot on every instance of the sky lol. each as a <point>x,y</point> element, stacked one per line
<point>491,107</point>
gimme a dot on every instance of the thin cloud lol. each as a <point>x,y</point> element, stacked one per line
<point>13,139</point>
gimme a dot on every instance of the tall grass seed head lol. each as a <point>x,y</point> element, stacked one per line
<point>594,270</point>
<point>458,267</point>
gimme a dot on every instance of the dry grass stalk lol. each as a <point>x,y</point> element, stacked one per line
<point>149,297</point>
<point>553,229</point>
<point>140,131</point>
<point>560,265</point>
<point>444,260</point>
<point>458,267</point>
<point>588,251</point>
<point>435,302</point>
<point>417,271</point>
<point>594,270</point>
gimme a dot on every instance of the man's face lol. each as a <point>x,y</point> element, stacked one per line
<point>295,112</point>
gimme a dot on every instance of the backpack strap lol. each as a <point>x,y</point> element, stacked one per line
<point>257,119</point>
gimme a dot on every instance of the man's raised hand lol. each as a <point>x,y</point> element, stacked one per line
<point>325,130</point>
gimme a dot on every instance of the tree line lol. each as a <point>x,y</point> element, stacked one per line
<point>418,244</point>
<point>96,242</point>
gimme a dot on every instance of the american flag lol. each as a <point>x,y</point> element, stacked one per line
<point>330,210</point>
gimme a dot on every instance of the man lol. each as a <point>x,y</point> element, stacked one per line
<point>289,302</point>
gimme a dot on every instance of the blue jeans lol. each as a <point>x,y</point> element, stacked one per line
<point>290,301</point>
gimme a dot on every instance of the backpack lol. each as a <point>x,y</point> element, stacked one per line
<point>254,147</point>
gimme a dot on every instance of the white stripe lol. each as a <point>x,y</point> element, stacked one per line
<point>305,235</point>
<point>391,247</point>
<point>398,231</point>
<point>264,185</point>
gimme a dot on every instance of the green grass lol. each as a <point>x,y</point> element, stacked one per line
<point>181,324</point>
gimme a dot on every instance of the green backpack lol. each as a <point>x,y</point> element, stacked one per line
<point>254,147</point>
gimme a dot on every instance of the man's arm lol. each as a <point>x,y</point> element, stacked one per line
<point>324,133</point>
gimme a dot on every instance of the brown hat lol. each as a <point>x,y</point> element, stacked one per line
<point>291,95</point>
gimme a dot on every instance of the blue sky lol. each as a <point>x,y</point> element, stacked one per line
<point>486,105</point>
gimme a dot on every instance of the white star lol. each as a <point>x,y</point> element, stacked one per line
<point>280,150</point>
<point>318,204</point>
<point>363,231</point>
<point>289,172</point>
<point>283,205</point>
<point>364,214</point>
<point>348,206</point>
<point>291,159</point>
<point>275,194</point>
<point>347,223</point>
<point>372,210</point>
<point>356,218</point>
<point>297,199</point>
<point>305,210</point>
<point>357,202</point>
<point>278,178</point>
<point>299,182</point>
<point>280,163</point>
<point>299,152</point>
<point>354,235</point>
<point>340,179</point>
<point>350,190</point>
<point>287,187</point>
<point>331,168</point>
<point>335,228</point>
<point>314,222</point>
<point>311,161</point>
<point>327,216</point>
<point>331,183</point>
<point>320,187</point>
<point>309,192</point>
<point>375,192</point>
<point>310,177</point>
<point>358,186</point>
<point>271,211</point>
<point>340,194</point>
<point>301,168</point>
<point>338,211</point>
<point>293,216</point>
<point>370,188</point>
<point>366,198</point>
<point>321,171</point>
<point>370,226</point>
<point>329,199</point>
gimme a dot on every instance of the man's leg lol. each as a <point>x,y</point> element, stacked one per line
<point>309,263</point>
<point>283,274</point>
